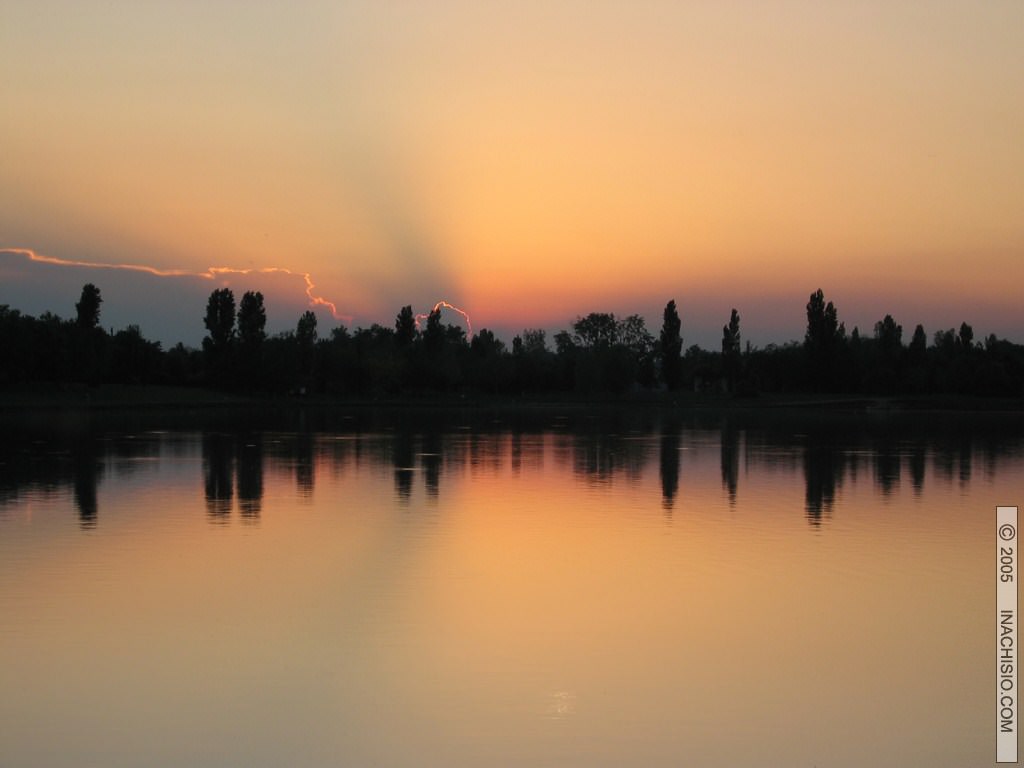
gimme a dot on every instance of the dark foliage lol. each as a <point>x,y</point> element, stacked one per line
<point>602,355</point>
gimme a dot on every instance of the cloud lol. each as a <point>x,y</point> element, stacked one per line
<point>166,304</point>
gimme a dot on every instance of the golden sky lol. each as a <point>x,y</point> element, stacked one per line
<point>533,161</point>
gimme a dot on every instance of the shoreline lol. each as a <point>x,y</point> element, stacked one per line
<point>132,397</point>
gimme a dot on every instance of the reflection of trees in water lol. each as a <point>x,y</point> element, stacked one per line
<point>966,454</point>
<point>430,459</point>
<point>596,456</point>
<point>250,475</point>
<point>668,463</point>
<point>52,463</point>
<point>128,454</point>
<point>527,452</point>
<point>232,463</point>
<point>917,460</point>
<point>433,453</point>
<point>730,458</point>
<point>305,474</point>
<point>86,469</point>
<point>218,466</point>
<point>487,452</point>
<point>888,463</point>
<point>829,449</point>
<point>294,454</point>
<point>600,456</point>
<point>953,460</point>
<point>403,455</point>
<point>823,468</point>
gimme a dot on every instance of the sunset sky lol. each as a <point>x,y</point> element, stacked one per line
<point>527,161</point>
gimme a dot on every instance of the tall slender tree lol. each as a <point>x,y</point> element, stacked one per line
<point>433,335</point>
<point>670,346</point>
<point>252,320</point>
<point>89,341</point>
<point>965,339</point>
<point>918,344</point>
<point>821,340</point>
<point>731,335</point>
<point>405,327</point>
<point>889,338</point>
<point>218,344</point>
<point>305,339</point>
<point>88,307</point>
<point>731,349</point>
<point>220,317</point>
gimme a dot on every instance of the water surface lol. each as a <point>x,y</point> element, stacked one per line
<point>475,589</point>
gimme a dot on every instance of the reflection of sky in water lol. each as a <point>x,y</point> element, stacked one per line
<point>735,593</point>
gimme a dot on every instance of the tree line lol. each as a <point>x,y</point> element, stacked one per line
<point>600,354</point>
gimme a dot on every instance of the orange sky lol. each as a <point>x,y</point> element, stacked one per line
<point>532,161</point>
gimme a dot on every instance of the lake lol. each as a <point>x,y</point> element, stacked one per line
<point>456,587</point>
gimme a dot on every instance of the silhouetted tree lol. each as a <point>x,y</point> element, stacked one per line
<point>595,330</point>
<point>945,342</point>
<point>821,341</point>
<point>183,365</point>
<point>566,353</point>
<point>611,354</point>
<point>305,338</point>
<point>133,359</point>
<point>87,338</point>
<point>534,341</point>
<point>885,362</point>
<point>486,344</point>
<point>918,344</point>
<point>405,327</point>
<point>220,325</point>
<point>916,377</point>
<point>966,337</point>
<point>602,354</point>
<point>731,335</point>
<point>563,343</point>
<point>731,349</point>
<point>962,372</point>
<point>633,335</point>
<point>441,354</point>
<point>488,368</point>
<point>534,368</point>
<point>220,317</point>
<point>88,307</point>
<point>433,335</point>
<point>633,339</point>
<point>670,347</point>
<point>377,368</point>
<point>252,321</point>
<point>889,335</point>
<point>305,329</point>
<point>337,363</point>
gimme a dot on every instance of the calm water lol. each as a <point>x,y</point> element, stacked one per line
<point>466,589</point>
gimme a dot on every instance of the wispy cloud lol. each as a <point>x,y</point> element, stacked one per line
<point>210,273</point>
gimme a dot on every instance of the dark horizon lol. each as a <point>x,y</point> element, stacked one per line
<point>417,354</point>
<point>164,306</point>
